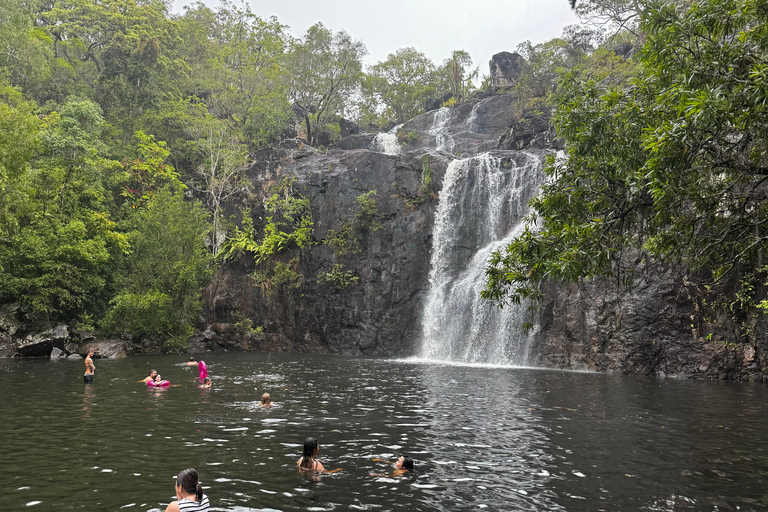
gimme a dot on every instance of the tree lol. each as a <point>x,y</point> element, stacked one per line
<point>239,69</point>
<point>325,68</point>
<point>673,166</point>
<point>25,50</point>
<point>60,239</point>
<point>219,171</point>
<point>457,73</point>
<point>128,52</point>
<point>401,84</point>
<point>161,280</point>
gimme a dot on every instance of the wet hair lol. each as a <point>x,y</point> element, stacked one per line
<point>189,481</point>
<point>308,458</point>
<point>207,380</point>
<point>158,377</point>
<point>265,398</point>
<point>407,463</point>
<point>191,358</point>
<point>151,372</point>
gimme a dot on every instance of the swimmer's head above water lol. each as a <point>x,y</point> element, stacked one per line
<point>265,400</point>
<point>404,462</point>
<point>190,483</point>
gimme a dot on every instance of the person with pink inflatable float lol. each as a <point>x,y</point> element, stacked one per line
<point>158,382</point>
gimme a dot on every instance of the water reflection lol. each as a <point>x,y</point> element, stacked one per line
<point>89,393</point>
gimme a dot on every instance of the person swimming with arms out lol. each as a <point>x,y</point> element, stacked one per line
<point>265,401</point>
<point>150,377</point>
<point>308,461</point>
<point>90,368</point>
<point>402,466</point>
<point>189,494</point>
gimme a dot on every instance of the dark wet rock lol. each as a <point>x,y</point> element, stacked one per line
<point>58,354</point>
<point>9,320</point>
<point>7,345</point>
<point>107,349</point>
<point>41,344</point>
<point>347,127</point>
<point>357,141</point>
<point>505,69</point>
<point>532,129</point>
<point>436,103</point>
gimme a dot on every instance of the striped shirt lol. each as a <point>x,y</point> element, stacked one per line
<point>187,505</point>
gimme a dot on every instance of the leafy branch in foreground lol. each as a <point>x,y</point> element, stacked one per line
<point>673,166</point>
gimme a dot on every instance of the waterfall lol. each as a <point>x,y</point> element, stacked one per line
<point>443,141</point>
<point>482,206</point>
<point>387,143</point>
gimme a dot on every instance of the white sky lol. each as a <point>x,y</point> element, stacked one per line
<point>480,27</point>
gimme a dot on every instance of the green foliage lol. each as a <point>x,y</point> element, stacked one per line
<point>457,74</point>
<point>58,240</point>
<point>245,325</point>
<point>342,240</point>
<point>165,272</point>
<point>672,166</point>
<point>426,190</point>
<point>290,226</point>
<point>324,69</point>
<point>367,215</point>
<point>407,137</point>
<point>338,277</point>
<point>143,176</point>
<point>352,231</point>
<point>396,89</point>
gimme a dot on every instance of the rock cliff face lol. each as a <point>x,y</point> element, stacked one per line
<point>645,328</point>
<point>380,312</point>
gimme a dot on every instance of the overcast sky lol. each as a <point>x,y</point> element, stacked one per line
<point>481,27</point>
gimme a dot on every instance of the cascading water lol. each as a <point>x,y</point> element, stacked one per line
<point>387,142</point>
<point>443,141</point>
<point>482,207</point>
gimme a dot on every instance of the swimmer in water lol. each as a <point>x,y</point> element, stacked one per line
<point>402,465</point>
<point>149,377</point>
<point>90,368</point>
<point>308,462</point>
<point>206,383</point>
<point>265,400</point>
<point>191,362</point>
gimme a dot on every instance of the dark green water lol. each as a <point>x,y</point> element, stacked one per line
<point>483,438</point>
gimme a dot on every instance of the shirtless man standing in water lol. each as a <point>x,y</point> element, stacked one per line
<point>90,368</point>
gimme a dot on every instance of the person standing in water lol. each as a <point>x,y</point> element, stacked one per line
<point>90,368</point>
<point>189,494</point>
<point>266,401</point>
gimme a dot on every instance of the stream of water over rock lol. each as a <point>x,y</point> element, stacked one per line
<point>481,208</point>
